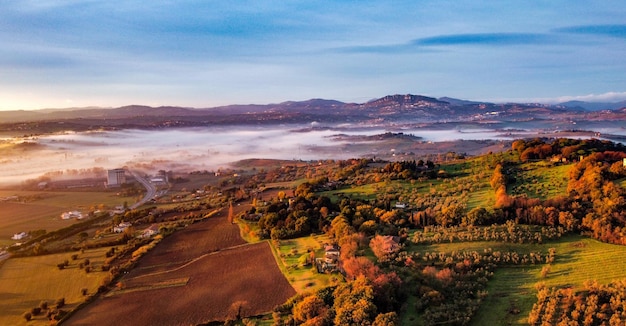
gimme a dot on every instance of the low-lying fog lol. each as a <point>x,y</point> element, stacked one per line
<point>202,148</point>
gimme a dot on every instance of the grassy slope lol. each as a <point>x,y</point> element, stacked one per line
<point>578,259</point>
<point>365,192</point>
<point>25,282</point>
<point>541,180</point>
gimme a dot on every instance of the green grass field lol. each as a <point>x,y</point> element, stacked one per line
<point>303,278</point>
<point>578,259</point>
<point>42,210</point>
<point>365,192</point>
<point>484,197</point>
<point>25,282</point>
<point>541,180</point>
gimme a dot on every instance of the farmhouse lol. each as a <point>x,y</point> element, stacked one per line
<point>121,227</point>
<point>118,210</point>
<point>401,205</point>
<point>70,215</point>
<point>152,230</point>
<point>19,236</point>
<point>330,262</point>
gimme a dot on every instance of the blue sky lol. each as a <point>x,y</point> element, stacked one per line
<point>59,53</point>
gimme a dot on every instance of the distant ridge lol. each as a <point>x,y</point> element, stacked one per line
<point>398,108</point>
<point>456,101</point>
<point>594,106</point>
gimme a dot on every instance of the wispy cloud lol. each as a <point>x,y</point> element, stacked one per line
<point>490,39</point>
<point>618,31</point>
<point>426,44</point>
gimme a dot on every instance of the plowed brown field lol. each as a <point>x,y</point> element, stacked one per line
<point>194,276</point>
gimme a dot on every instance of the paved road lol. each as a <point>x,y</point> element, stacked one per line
<point>150,190</point>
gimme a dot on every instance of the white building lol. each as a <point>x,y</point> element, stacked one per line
<point>116,177</point>
<point>70,215</point>
<point>152,230</point>
<point>121,227</point>
<point>19,236</point>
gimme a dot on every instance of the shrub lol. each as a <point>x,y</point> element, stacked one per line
<point>28,316</point>
<point>545,270</point>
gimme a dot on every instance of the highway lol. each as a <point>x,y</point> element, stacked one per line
<point>151,190</point>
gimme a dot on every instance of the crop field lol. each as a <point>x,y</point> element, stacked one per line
<point>578,259</point>
<point>204,272</point>
<point>25,282</point>
<point>42,210</point>
<point>291,253</point>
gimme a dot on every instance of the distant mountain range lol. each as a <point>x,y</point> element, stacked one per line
<point>594,106</point>
<point>389,109</point>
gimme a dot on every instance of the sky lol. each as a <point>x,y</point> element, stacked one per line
<point>62,53</point>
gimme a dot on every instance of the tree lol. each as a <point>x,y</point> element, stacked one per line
<point>477,216</point>
<point>354,303</point>
<point>384,247</point>
<point>230,212</point>
<point>236,309</point>
<point>340,227</point>
<point>388,319</point>
<point>310,307</point>
<point>27,315</point>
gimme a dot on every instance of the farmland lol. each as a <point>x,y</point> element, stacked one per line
<point>34,210</point>
<point>204,272</point>
<point>25,282</point>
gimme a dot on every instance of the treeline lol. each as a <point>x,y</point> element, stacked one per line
<point>409,169</point>
<point>569,149</point>
<point>509,232</point>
